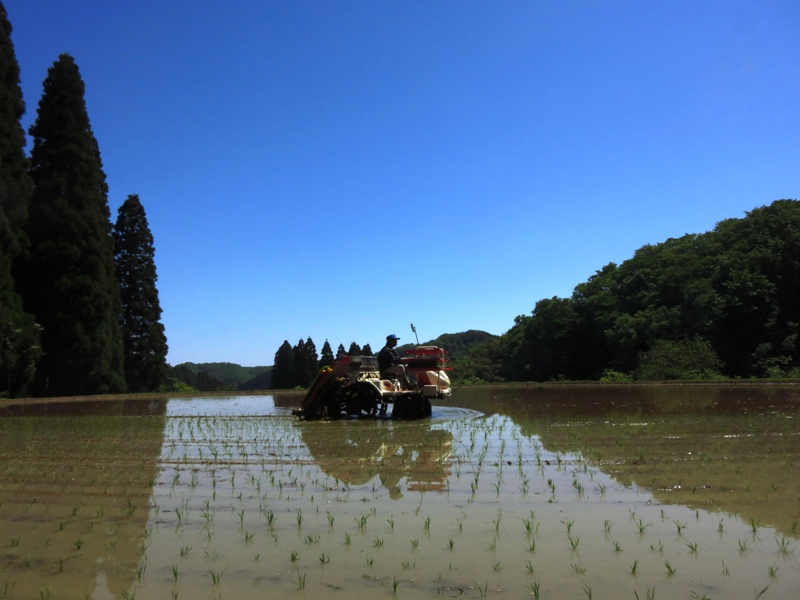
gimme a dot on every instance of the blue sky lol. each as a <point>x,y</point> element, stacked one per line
<point>341,169</point>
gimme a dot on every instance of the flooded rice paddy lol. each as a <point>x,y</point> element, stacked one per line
<point>561,492</point>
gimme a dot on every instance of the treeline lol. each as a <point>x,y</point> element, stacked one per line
<point>79,310</point>
<point>725,303</point>
<point>298,365</point>
<point>220,376</point>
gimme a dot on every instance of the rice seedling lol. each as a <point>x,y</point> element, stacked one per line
<point>757,595</point>
<point>773,572</point>
<point>783,546</point>
<point>324,558</point>
<point>301,581</point>
<point>670,569</point>
<point>578,569</point>
<point>483,591</point>
<point>534,587</point>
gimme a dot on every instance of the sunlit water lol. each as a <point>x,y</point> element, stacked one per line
<point>564,492</point>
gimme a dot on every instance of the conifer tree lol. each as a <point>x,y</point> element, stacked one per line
<point>68,281</point>
<point>144,341</point>
<point>19,333</point>
<point>354,350</point>
<point>298,364</point>
<point>326,356</point>
<point>282,367</point>
<point>311,363</point>
<point>340,352</point>
<point>367,350</point>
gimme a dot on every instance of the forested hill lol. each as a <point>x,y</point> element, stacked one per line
<point>721,303</point>
<point>222,375</point>
<point>458,345</point>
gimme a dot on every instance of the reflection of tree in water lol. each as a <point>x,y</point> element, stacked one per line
<point>75,494</point>
<point>355,452</point>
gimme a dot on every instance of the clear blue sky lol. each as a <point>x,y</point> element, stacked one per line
<point>341,169</point>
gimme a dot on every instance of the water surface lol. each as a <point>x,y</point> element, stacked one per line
<point>563,492</point>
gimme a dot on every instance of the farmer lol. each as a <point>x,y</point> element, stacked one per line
<point>389,362</point>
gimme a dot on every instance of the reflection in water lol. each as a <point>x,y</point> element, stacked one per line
<point>357,452</point>
<point>74,497</point>
<point>726,448</point>
<point>560,491</point>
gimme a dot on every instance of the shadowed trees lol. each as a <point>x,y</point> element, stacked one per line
<point>68,280</point>
<point>723,301</point>
<point>19,332</point>
<point>144,341</point>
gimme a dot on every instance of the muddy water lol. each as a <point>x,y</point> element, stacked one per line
<point>564,492</point>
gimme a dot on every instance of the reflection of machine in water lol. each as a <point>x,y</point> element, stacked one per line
<point>356,452</point>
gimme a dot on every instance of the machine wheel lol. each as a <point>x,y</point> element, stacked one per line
<point>361,399</point>
<point>411,406</point>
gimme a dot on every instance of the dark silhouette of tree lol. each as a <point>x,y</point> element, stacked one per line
<point>144,341</point>
<point>367,350</point>
<point>68,281</point>
<point>282,369</point>
<point>326,356</point>
<point>340,352</point>
<point>19,333</point>
<point>311,363</point>
<point>354,350</point>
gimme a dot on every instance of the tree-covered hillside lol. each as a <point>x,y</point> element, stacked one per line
<point>726,302</point>
<point>222,376</point>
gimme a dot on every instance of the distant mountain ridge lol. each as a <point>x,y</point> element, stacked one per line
<point>231,375</point>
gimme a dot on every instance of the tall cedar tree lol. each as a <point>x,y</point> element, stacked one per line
<point>69,282</point>
<point>144,341</point>
<point>340,352</point>
<point>20,349</point>
<point>308,363</point>
<point>326,356</point>
<point>354,349</point>
<point>282,367</point>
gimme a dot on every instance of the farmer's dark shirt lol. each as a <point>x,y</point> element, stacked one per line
<point>387,357</point>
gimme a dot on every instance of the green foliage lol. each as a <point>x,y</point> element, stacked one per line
<point>145,344</point>
<point>685,359</point>
<point>282,369</point>
<point>354,350</point>
<point>611,376</point>
<point>326,358</point>
<point>68,280</point>
<point>736,287</point>
<point>305,363</point>
<point>20,348</point>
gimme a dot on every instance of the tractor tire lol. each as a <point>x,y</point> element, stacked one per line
<point>360,399</point>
